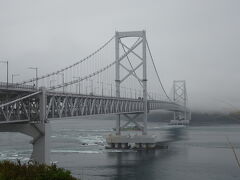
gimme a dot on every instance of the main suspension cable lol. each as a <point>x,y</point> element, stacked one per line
<point>68,67</point>
<point>96,72</point>
<point>157,72</point>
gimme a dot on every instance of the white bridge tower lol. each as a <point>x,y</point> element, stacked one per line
<point>180,97</point>
<point>131,72</point>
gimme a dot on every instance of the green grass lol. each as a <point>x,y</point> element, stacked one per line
<point>32,171</point>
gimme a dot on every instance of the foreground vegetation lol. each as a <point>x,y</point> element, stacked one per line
<point>32,171</point>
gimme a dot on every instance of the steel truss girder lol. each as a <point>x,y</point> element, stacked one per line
<point>69,105</point>
<point>27,109</point>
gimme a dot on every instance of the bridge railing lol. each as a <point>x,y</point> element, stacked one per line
<point>16,86</point>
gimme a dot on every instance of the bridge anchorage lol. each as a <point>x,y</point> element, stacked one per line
<point>28,109</point>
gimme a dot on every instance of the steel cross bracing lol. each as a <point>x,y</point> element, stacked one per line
<point>142,78</point>
<point>180,97</point>
<point>61,105</point>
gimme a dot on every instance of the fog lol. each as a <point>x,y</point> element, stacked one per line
<point>197,41</point>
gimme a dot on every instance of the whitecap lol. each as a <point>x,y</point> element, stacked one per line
<point>91,140</point>
<point>75,151</point>
<point>119,150</point>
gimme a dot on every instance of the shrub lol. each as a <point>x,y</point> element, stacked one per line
<point>32,171</point>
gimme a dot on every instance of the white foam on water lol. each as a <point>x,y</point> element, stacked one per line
<point>75,151</point>
<point>163,127</point>
<point>119,150</point>
<point>14,155</point>
<point>86,130</point>
<point>91,140</point>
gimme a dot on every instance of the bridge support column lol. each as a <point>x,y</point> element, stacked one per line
<point>41,144</point>
<point>132,71</point>
<point>144,82</point>
<point>118,125</point>
<point>117,80</point>
<point>41,138</point>
<point>180,97</point>
<point>39,130</point>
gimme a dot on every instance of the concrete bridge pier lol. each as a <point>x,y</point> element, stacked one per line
<point>41,143</point>
<point>40,132</point>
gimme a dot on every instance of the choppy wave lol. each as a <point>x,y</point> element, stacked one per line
<point>87,130</point>
<point>13,155</point>
<point>76,151</point>
<point>91,140</point>
<point>119,150</point>
<point>165,127</point>
<point>91,151</point>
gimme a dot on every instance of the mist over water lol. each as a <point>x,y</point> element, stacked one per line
<point>78,145</point>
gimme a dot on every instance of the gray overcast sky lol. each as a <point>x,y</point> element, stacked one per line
<point>195,40</point>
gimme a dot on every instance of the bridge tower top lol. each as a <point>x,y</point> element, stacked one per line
<point>180,92</point>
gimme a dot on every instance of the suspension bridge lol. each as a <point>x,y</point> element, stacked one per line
<point>119,78</point>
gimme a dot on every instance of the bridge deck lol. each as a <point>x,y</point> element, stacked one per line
<point>60,105</point>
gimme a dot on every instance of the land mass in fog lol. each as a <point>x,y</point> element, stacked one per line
<point>198,118</point>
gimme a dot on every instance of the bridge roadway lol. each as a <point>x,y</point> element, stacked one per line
<point>25,103</point>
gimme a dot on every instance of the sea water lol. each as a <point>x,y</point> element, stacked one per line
<point>79,146</point>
